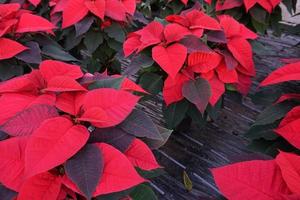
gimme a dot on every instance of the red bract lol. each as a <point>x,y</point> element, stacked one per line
<point>268,5</point>
<point>116,165</point>
<point>195,21</point>
<point>47,115</point>
<point>272,179</point>
<point>171,50</point>
<point>15,20</point>
<point>114,9</point>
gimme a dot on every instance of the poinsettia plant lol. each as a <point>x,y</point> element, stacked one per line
<point>277,126</point>
<point>95,34</point>
<point>191,57</point>
<point>275,131</point>
<point>258,15</point>
<point>261,179</point>
<point>17,27</point>
<point>70,135</point>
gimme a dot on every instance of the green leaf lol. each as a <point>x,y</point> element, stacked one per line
<point>137,62</point>
<point>196,116</point>
<point>273,113</point>
<point>188,184</point>
<point>151,82</point>
<point>262,131</point>
<point>9,70</point>
<point>92,40</point>
<point>143,192</point>
<point>259,14</point>
<point>175,113</point>
<point>150,174</point>
<point>259,27</point>
<point>107,83</point>
<point>57,53</point>
<point>116,32</point>
<point>156,144</point>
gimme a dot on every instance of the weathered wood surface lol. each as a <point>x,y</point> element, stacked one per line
<point>220,142</point>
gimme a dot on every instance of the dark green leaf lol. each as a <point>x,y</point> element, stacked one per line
<point>107,83</point>
<point>143,192</point>
<point>273,113</point>
<point>151,82</point>
<point>57,53</point>
<point>140,125</point>
<point>175,113</point>
<point>116,32</point>
<point>156,144</point>
<point>92,40</point>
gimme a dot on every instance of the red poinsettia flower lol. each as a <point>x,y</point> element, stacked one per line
<point>114,9</point>
<point>14,20</point>
<point>258,179</point>
<point>268,5</point>
<point>48,117</point>
<point>168,53</point>
<point>237,35</point>
<point>195,21</point>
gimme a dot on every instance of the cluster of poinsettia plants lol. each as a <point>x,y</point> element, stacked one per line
<point>70,135</point>
<point>31,31</point>
<point>194,58</point>
<point>258,15</point>
<point>276,132</point>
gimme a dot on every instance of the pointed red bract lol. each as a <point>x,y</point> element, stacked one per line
<point>35,2</point>
<point>118,174</point>
<point>97,7</point>
<point>117,105</point>
<point>242,52</point>
<point>18,84</point>
<point>12,162</point>
<point>289,165</point>
<point>289,72</point>
<point>70,102</point>
<point>33,23</point>
<point>172,90</point>
<point>51,68</point>
<point>171,58</point>
<point>55,141</point>
<point>290,132</point>
<point>261,180</point>
<point>217,90</point>
<point>291,116</point>
<point>63,84</point>
<point>175,32</point>
<point>10,48</point>
<point>45,186</point>
<point>74,6</point>
<point>203,62</point>
<point>11,104</point>
<point>115,10</point>
<point>141,156</point>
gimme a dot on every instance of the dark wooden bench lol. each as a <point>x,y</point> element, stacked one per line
<point>220,142</point>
